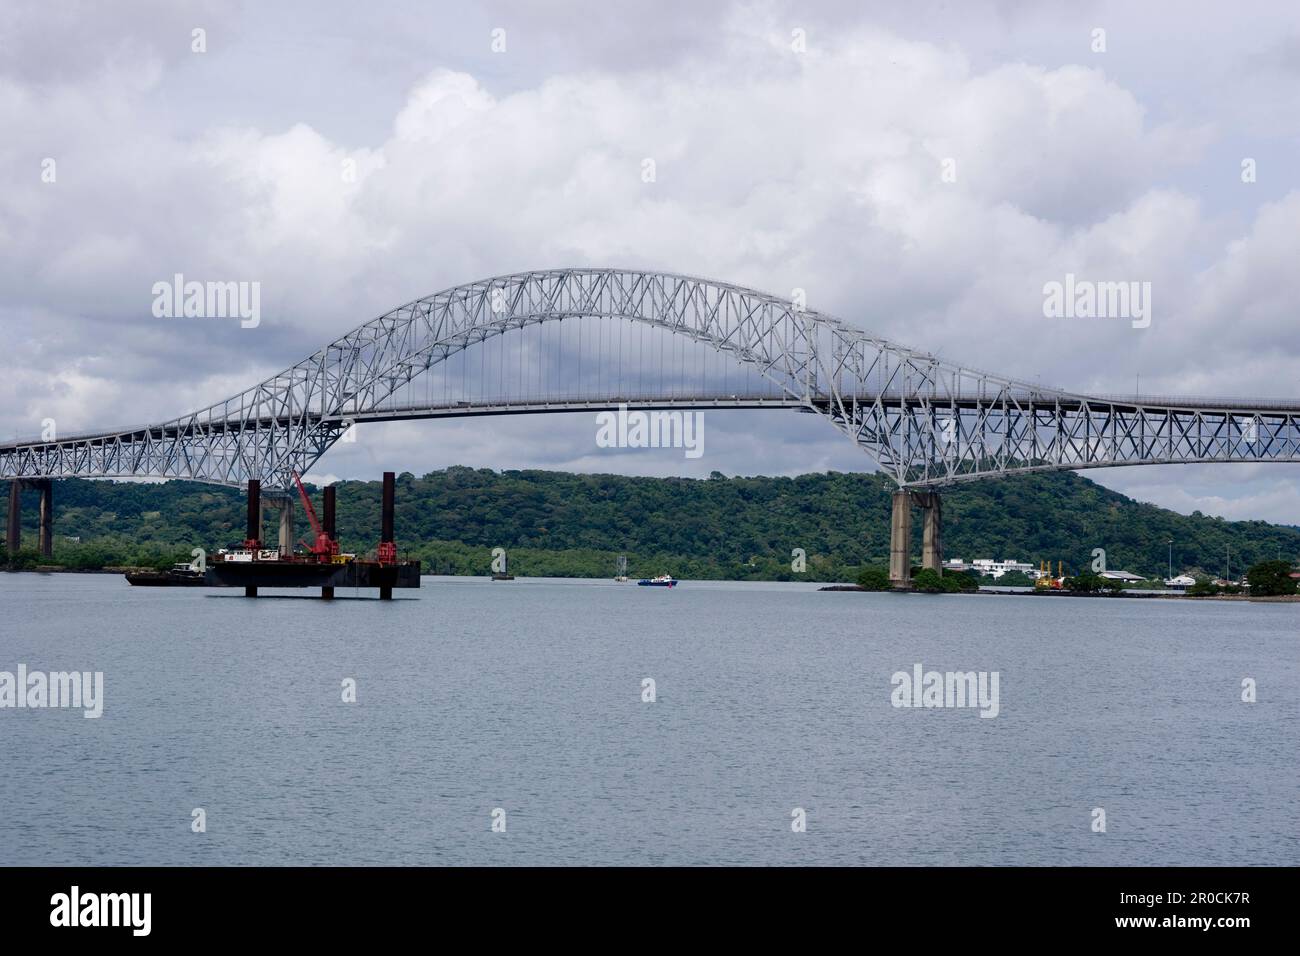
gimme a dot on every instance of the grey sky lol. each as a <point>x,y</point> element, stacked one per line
<point>775,170</point>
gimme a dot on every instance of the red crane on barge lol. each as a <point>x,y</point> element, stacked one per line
<point>324,547</point>
<point>322,565</point>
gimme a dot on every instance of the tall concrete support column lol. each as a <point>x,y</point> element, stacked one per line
<point>46,538</point>
<point>14,527</point>
<point>900,540</point>
<point>286,526</point>
<point>932,531</point>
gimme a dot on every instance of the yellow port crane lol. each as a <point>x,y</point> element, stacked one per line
<point>1046,581</point>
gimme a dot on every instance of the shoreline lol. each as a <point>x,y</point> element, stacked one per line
<point>60,569</point>
<point>1136,594</point>
<point>1130,594</point>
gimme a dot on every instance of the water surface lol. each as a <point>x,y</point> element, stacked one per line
<point>527,696</point>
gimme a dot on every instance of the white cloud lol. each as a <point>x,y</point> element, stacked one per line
<point>774,169</point>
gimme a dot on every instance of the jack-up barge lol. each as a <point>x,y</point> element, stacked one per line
<point>319,563</point>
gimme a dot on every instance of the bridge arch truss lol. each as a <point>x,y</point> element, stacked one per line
<point>924,421</point>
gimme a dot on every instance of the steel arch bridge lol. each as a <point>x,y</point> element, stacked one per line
<point>926,422</point>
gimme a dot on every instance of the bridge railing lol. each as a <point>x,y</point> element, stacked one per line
<point>1218,403</point>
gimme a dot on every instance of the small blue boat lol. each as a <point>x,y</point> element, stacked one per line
<point>663,581</point>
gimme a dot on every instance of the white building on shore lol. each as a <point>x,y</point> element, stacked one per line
<point>1121,576</point>
<point>987,567</point>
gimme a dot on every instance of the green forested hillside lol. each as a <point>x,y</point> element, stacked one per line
<point>566,524</point>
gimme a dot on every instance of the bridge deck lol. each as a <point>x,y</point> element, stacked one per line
<point>537,406</point>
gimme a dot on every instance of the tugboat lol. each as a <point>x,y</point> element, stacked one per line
<point>180,576</point>
<point>662,581</point>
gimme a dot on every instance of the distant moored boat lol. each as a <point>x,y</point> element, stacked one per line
<point>663,581</point>
<point>180,575</point>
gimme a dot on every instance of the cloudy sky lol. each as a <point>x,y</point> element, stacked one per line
<point>795,145</point>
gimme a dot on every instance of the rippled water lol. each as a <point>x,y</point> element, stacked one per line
<point>526,696</point>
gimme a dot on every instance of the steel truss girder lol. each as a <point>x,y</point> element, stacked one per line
<point>925,422</point>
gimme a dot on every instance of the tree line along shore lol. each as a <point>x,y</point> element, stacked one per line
<point>559,524</point>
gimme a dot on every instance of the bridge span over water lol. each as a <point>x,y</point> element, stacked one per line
<point>593,339</point>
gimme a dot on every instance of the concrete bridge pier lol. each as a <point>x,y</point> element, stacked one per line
<point>932,531</point>
<point>46,532</point>
<point>285,505</point>
<point>900,535</point>
<point>900,540</point>
<point>14,524</point>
